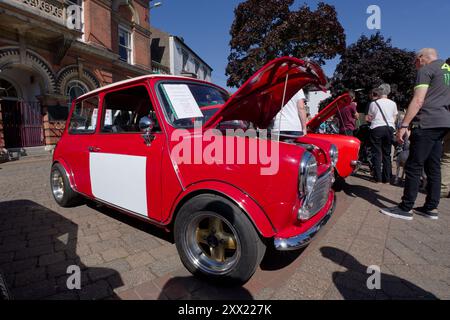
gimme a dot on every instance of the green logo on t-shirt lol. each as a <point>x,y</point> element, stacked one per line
<point>446,75</point>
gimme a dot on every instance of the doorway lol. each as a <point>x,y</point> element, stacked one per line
<point>22,120</point>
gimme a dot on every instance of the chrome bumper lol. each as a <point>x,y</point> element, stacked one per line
<point>302,240</point>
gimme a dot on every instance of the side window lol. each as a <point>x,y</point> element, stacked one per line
<point>84,116</point>
<point>123,109</point>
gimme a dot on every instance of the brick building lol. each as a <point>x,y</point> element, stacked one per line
<point>52,51</point>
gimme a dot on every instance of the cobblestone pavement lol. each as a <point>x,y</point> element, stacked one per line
<point>123,258</point>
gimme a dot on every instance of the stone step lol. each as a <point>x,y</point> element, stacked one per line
<point>28,152</point>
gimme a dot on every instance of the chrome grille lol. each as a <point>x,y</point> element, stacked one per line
<point>319,196</point>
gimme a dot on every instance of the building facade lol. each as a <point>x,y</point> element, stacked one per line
<point>52,51</point>
<point>170,54</point>
<point>314,98</point>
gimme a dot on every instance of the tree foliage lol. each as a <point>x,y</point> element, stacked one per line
<point>372,61</point>
<point>266,29</point>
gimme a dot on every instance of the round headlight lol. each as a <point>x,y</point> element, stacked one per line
<point>334,155</point>
<point>307,174</point>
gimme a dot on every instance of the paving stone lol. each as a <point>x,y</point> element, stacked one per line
<point>129,295</point>
<point>96,291</point>
<point>48,259</point>
<point>114,253</point>
<point>134,277</point>
<point>140,259</point>
<point>92,260</point>
<point>164,251</point>
<point>149,291</point>
<point>28,277</point>
<point>38,290</point>
<point>141,262</point>
<point>162,266</point>
<point>108,269</point>
<point>111,234</point>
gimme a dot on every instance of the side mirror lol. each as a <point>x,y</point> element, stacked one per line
<point>146,124</point>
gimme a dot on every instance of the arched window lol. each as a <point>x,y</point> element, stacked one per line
<point>7,90</point>
<point>75,88</point>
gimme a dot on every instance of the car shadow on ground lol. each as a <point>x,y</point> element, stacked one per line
<point>193,288</point>
<point>352,283</point>
<point>132,221</point>
<point>37,246</point>
<point>369,194</point>
<point>276,260</point>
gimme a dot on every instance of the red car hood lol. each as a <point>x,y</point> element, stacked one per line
<point>261,97</point>
<point>337,104</point>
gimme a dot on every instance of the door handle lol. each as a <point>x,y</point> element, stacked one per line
<point>93,149</point>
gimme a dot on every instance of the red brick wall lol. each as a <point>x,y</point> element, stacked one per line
<point>98,24</point>
<point>141,49</point>
<point>52,130</point>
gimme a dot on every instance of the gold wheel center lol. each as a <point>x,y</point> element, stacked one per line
<point>215,241</point>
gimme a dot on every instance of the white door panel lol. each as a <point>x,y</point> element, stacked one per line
<point>120,180</point>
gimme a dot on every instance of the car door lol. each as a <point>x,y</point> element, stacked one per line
<point>124,167</point>
<point>79,137</point>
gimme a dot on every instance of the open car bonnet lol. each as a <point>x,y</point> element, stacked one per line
<point>337,104</point>
<point>262,96</point>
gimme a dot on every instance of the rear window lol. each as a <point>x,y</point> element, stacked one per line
<point>84,116</point>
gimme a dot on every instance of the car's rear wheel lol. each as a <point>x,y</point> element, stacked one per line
<point>61,189</point>
<point>217,241</point>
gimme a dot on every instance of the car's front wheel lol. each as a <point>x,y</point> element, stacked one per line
<point>216,240</point>
<point>61,189</point>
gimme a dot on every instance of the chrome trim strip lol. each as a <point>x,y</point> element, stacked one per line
<point>303,239</point>
<point>126,211</point>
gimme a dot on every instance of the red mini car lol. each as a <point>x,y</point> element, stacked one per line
<point>347,146</point>
<point>124,146</point>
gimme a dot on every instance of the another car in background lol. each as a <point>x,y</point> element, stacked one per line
<point>348,146</point>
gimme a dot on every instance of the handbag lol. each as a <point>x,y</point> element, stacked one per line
<point>391,130</point>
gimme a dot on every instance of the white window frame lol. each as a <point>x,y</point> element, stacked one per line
<point>130,43</point>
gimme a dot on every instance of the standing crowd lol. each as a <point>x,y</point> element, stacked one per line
<point>423,132</point>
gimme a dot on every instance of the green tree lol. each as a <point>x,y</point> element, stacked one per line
<point>266,29</point>
<point>370,62</point>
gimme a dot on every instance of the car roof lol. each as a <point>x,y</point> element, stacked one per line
<point>131,80</point>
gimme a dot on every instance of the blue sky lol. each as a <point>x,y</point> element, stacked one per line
<point>205,25</point>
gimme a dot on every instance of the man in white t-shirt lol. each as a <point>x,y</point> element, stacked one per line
<point>382,115</point>
<point>291,120</point>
